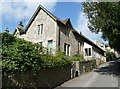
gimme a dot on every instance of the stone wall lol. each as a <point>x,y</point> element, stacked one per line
<point>81,67</point>
<point>74,40</point>
<point>48,77</point>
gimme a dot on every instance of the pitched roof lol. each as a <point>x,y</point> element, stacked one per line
<point>49,13</point>
<point>89,41</point>
<point>66,20</point>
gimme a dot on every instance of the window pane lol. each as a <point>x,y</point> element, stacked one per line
<point>65,47</point>
<point>89,51</point>
<point>86,52</point>
<point>50,46</point>
<point>38,29</point>
<point>41,28</point>
<point>68,50</point>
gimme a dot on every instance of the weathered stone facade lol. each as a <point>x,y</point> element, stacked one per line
<point>49,30</point>
<point>67,36</point>
<point>60,33</point>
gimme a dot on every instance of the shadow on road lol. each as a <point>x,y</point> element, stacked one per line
<point>112,69</point>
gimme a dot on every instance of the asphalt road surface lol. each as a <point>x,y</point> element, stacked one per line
<point>106,75</point>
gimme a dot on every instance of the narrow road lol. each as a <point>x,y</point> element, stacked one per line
<point>106,75</point>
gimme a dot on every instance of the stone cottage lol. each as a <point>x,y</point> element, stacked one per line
<point>53,33</point>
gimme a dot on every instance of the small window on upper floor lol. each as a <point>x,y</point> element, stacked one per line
<point>40,29</point>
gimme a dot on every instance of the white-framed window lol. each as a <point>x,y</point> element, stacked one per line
<point>68,52</point>
<point>50,46</point>
<point>67,49</point>
<point>40,29</point>
<point>87,51</point>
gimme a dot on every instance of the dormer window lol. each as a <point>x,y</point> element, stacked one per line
<point>40,29</point>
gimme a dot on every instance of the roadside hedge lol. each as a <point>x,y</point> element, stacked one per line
<point>21,55</point>
<point>77,57</point>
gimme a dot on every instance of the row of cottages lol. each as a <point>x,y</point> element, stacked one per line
<point>55,34</point>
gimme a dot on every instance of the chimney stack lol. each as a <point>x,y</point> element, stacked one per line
<point>7,30</point>
<point>20,25</point>
<point>80,32</point>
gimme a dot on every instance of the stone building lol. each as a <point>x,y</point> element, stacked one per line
<point>94,52</point>
<point>106,47</point>
<point>53,33</point>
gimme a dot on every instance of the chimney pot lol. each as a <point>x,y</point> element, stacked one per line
<point>6,30</point>
<point>20,22</point>
<point>20,25</point>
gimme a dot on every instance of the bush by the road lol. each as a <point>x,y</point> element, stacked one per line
<point>77,57</point>
<point>21,55</point>
<point>110,55</point>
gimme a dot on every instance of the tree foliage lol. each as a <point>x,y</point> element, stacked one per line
<point>104,17</point>
<point>110,55</point>
<point>21,55</point>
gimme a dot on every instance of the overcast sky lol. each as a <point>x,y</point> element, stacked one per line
<point>14,11</point>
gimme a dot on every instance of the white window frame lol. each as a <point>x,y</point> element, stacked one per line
<point>67,49</point>
<point>51,49</point>
<point>88,52</point>
<point>40,29</point>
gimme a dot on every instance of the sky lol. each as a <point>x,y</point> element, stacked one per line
<point>13,12</point>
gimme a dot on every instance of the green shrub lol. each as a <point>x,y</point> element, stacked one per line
<point>77,57</point>
<point>62,59</point>
<point>7,39</point>
<point>21,55</point>
<point>59,59</point>
<point>110,55</point>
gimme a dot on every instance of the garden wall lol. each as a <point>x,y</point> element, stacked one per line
<point>81,67</point>
<point>49,77</point>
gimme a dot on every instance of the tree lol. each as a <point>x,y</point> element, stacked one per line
<point>18,54</point>
<point>104,17</point>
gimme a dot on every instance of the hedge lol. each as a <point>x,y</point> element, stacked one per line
<point>21,55</point>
